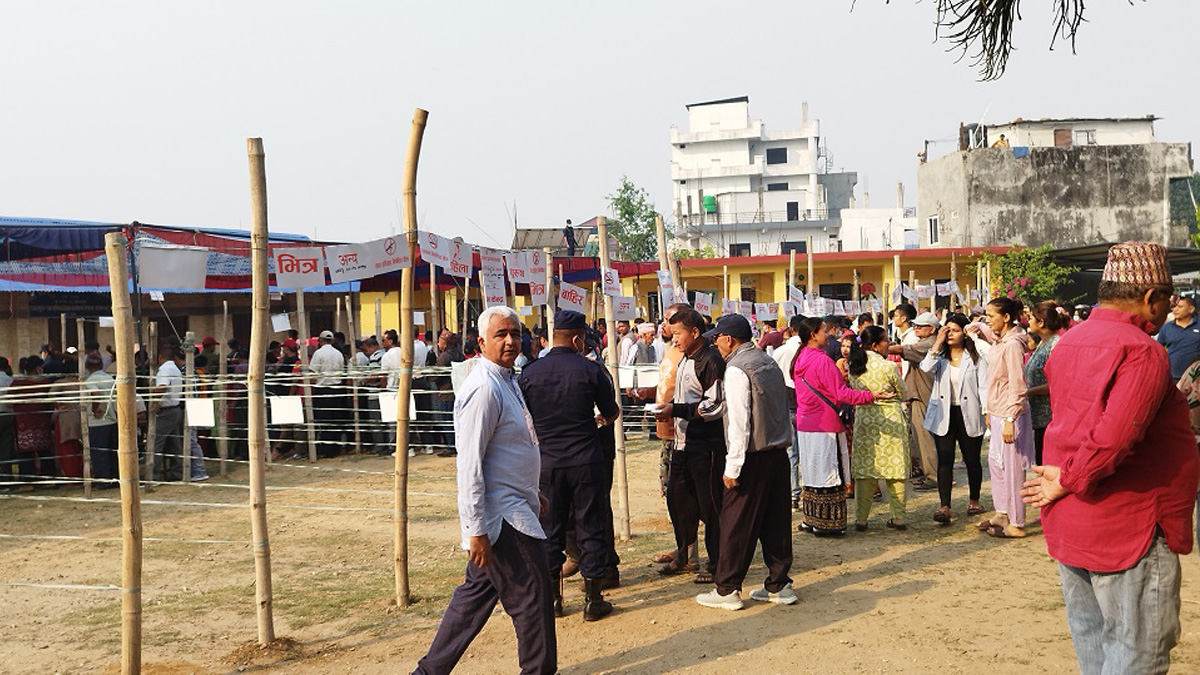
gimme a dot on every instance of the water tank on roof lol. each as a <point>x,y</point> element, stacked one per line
<point>710,204</point>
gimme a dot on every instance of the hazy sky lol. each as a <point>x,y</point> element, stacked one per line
<point>125,111</point>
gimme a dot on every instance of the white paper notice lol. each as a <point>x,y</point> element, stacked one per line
<point>171,266</point>
<point>623,308</point>
<point>387,407</point>
<point>281,323</point>
<point>434,248</point>
<point>625,377</point>
<point>787,309</point>
<point>537,291</point>
<point>157,296</point>
<point>518,266</point>
<point>200,412</point>
<point>493,289</point>
<point>746,308</point>
<point>571,297</point>
<point>491,261</point>
<point>525,310</point>
<point>795,295</point>
<point>461,264</point>
<point>299,267</point>
<point>612,282</point>
<point>704,303</point>
<point>286,409</point>
<point>107,321</point>
<point>419,318</point>
<point>772,312</point>
<point>647,377</point>
<point>537,265</point>
<point>389,253</point>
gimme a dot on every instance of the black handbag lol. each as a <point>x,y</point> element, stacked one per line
<point>845,415</point>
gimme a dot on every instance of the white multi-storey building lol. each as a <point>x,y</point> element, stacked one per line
<point>744,190</point>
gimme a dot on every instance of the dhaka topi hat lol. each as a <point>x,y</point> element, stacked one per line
<point>1139,263</point>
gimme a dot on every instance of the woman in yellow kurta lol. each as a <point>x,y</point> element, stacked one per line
<point>880,446</point>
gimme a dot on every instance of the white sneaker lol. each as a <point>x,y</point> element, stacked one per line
<point>733,601</point>
<point>785,596</point>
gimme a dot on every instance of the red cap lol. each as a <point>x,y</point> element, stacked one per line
<point>210,341</point>
<point>290,343</point>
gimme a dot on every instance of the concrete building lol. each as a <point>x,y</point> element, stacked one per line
<point>747,191</point>
<point>1067,182</point>
<point>879,229</point>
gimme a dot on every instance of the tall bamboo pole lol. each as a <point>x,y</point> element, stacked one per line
<point>912,285</point>
<point>62,335</point>
<point>85,413</point>
<point>379,318</point>
<point>664,257</point>
<point>434,319</point>
<point>953,281</point>
<point>127,456</point>
<point>854,290</point>
<point>551,296</point>
<point>354,375</point>
<point>305,379</point>
<point>223,388</point>
<point>400,510</point>
<point>622,479</point>
<point>810,282</point>
<point>151,406</point>
<point>791,272</point>
<point>257,403</point>
<point>189,373</point>
<point>337,314</point>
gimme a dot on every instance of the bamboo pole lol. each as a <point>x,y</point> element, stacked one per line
<point>189,372</point>
<point>222,404</point>
<point>912,285</point>
<point>378,318</point>
<point>953,281</point>
<point>337,313</point>
<point>62,335</point>
<point>854,294</point>
<point>151,406</point>
<point>725,281</point>
<point>354,376</point>
<point>551,296</point>
<point>305,379</point>
<point>256,391</point>
<point>933,296</point>
<point>791,271</point>
<point>664,257</point>
<point>85,413</point>
<point>811,280</point>
<point>127,457</point>
<point>400,510</point>
<point>434,318</point>
<point>620,474</point>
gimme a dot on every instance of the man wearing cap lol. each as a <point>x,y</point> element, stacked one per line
<point>562,390</point>
<point>755,505</point>
<point>328,398</point>
<point>1120,473</point>
<point>920,385</point>
<point>498,507</point>
<point>209,349</point>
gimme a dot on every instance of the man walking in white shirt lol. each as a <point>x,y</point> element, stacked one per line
<point>498,507</point>
<point>168,427</point>
<point>328,398</point>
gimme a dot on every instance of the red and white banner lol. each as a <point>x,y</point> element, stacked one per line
<point>461,264</point>
<point>299,267</point>
<point>491,261</point>
<point>571,296</point>
<point>624,308</point>
<point>434,248</point>
<point>612,282</point>
<point>493,289</point>
<point>704,303</point>
<point>518,266</point>
<point>853,308</point>
<point>788,309</point>
<point>537,292</point>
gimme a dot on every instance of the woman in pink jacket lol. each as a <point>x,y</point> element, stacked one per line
<point>1010,451</point>
<point>824,454</point>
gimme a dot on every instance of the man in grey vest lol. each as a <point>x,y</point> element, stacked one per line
<point>756,504</point>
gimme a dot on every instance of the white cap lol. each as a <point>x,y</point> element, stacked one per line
<point>926,319</point>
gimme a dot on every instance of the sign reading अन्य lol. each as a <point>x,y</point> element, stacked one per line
<point>623,308</point>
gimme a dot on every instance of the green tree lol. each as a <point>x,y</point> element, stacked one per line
<point>687,253</point>
<point>632,222</point>
<point>1028,274</point>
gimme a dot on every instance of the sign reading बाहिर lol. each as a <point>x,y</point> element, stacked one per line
<point>571,296</point>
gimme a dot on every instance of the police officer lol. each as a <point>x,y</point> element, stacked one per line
<point>562,390</point>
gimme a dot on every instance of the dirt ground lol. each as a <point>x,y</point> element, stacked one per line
<point>933,599</point>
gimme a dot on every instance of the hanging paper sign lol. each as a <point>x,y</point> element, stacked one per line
<point>624,308</point>
<point>518,266</point>
<point>170,266</point>
<point>434,248</point>
<point>770,312</point>
<point>461,264</point>
<point>760,310</point>
<point>729,306</point>
<point>389,254</point>
<point>537,264</point>
<point>822,306</point>
<point>704,303</point>
<point>853,308</point>
<point>962,299</point>
<point>299,267</point>
<point>787,309</point>
<point>746,308</point>
<point>667,293</point>
<point>943,290</point>
<point>795,295</point>
<point>491,261</point>
<point>839,308</point>
<point>571,296</point>
<point>525,310</point>
<point>953,285</point>
<point>493,289</point>
<point>897,294</point>
<point>537,292</point>
<point>925,291</point>
<point>612,281</point>
<point>876,306</point>
<point>349,263</point>
<point>908,293</point>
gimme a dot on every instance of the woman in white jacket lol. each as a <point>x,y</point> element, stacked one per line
<point>956,410</point>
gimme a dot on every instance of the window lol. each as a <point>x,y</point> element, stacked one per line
<point>800,247</point>
<point>836,291</point>
<point>793,210</point>
<point>1085,137</point>
<point>776,155</point>
<point>739,250</point>
<point>934,235</point>
<point>775,187</point>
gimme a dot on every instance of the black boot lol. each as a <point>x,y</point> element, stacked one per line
<point>595,607</point>
<point>556,587</point>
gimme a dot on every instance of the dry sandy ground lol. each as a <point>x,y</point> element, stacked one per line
<point>933,599</point>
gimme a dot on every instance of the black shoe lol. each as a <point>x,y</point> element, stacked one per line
<point>926,486</point>
<point>449,452</point>
<point>595,607</point>
<point>556,587</point>
<point>611,580</point>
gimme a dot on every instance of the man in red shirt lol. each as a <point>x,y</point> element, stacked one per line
<point>1121,472</point>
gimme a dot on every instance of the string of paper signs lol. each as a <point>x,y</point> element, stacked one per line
<point>305,267</point>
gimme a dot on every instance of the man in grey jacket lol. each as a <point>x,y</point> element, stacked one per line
<point>756,504</point>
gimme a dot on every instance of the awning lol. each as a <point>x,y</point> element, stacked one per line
<point>1093,257</point>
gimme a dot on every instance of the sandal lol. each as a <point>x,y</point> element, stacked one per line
<point>899,527</point>
<point>942,517</point>
<point>671,569</point>
<point>665,557</point>
<point>984,525</point>
<point>860,527</point>
<point>975,510</point>
<point>703,578</point>
<point>1002,533</point>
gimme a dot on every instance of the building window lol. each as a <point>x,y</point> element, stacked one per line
<point>1085,137</point>
<point>800,247</point>
<point>793,211</point>
<point>776,187</point>
<point>934,235</point>
<point>739,250</point>
<point>836,291</point>
<point>776,155</point>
